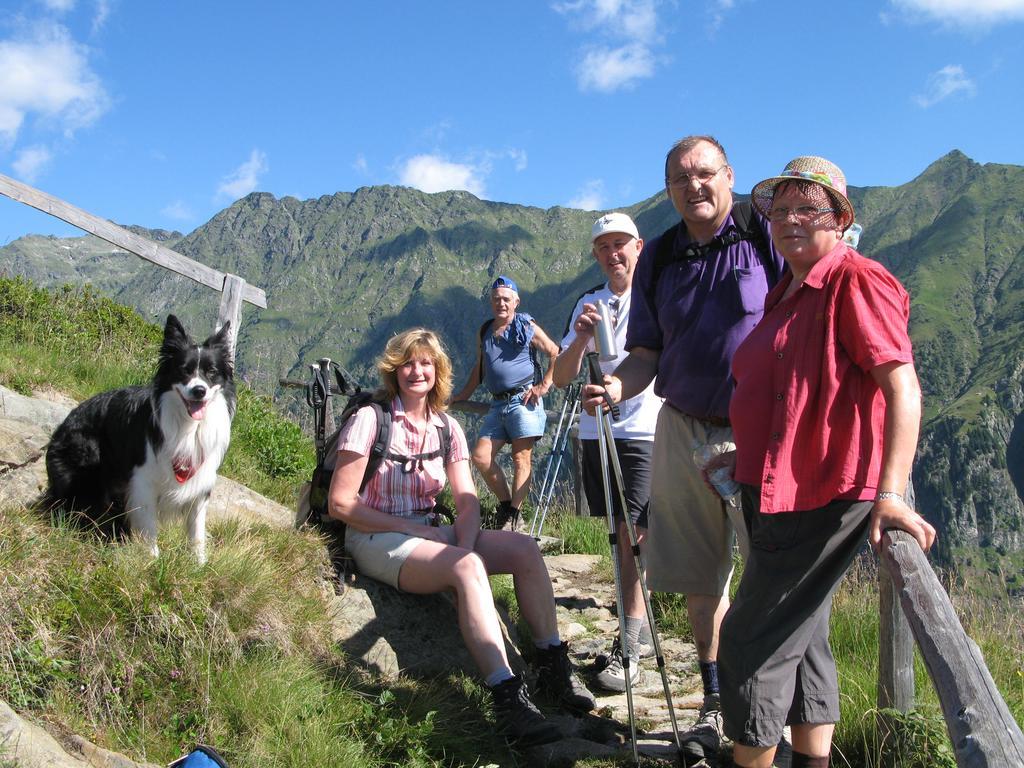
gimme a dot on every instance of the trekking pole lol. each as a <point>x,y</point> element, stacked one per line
<point>574,395</point>
<point>605,344</point>
<point>603,452</point>
<point>551,457</point>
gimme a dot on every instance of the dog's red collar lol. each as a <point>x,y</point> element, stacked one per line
<point>184,469</point>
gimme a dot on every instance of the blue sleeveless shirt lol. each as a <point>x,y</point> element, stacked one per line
<point>507,360</point>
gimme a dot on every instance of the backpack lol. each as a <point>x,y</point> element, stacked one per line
<point>744,227</point>
<point>202,756</point>
<point>538,374</point>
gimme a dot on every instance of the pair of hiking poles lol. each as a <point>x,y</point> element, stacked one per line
<point>604,341</point>
<point>559,449</point>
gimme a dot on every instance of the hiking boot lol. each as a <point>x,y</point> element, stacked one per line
<point>506,517</point>
<point>613,676</point>
<point>518,720</point>
<point>701,742</point>
<point>557,680</point>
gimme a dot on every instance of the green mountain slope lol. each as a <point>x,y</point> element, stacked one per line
<point>344,272</point>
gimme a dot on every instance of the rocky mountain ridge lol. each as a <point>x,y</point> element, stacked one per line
<point>345,271</point>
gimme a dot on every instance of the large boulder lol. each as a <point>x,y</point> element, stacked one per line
<point>389,632</point>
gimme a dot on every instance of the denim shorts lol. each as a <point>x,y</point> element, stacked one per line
<point>509,420</point>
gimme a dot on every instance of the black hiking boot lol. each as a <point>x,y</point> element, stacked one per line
<point>557,680</point>
<point>506,517</point>
<point>518,720</point>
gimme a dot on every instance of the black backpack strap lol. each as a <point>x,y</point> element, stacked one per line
<point>444,431</point>
<point>665,253</point>
<point>744,227</point>
<point>379,449</point>
<point>480,334</point>
<point>588,292</point>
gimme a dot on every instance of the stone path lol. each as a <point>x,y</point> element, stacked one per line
<point>586,619</point>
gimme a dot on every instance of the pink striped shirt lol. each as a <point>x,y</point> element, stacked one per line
<point>392,489</point>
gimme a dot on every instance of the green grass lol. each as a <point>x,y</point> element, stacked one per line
<point>149,656</point>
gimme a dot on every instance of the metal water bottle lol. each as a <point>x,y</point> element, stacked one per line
<point>605,334</point>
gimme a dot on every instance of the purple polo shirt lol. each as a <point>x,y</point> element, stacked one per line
<point>697,315</point>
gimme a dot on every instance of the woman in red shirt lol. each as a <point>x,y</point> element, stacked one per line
<point>825,416</point>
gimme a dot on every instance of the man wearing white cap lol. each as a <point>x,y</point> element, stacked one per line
<point>616,246</point>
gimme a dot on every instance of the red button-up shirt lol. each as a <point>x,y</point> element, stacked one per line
<point>807,415</point>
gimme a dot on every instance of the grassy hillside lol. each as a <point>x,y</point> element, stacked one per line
<point>148,656</point>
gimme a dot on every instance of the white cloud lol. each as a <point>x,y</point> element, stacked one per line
<point>717,11</point>
<point>590,197</point>
<point>178,211</point>
<point>627,36</point>
<point>608,71</point>
<point>433,173</point>
<point>100,17</point>
<point>58,6</point>
<point>518,158</point>
<point>966,13</point>
<point>245,178</point>
<point>360,165</point>
<point>949,80</point>
<point>31,161</point>
<point>47,74</point>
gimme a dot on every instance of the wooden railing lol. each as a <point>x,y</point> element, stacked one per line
<point>234,290</point>
<point>980,725</point>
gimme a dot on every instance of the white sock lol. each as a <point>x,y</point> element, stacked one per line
<point>498,676</point>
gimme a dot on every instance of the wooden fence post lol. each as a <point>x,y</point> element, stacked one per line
<point>231,308</point>
<point>895,649</point>
<point>980,725</point>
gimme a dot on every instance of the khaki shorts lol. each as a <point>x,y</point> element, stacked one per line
<point>381,555</point>
<point>690,530</point>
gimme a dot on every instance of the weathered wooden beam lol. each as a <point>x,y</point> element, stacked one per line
<point>122,238</point>
<point>895,649</point>
<point>980,725</point>
<point>231,308</point>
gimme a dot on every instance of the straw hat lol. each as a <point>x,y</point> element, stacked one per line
<point>806,168</point>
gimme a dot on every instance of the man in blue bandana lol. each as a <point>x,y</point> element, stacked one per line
<point>507,366</point>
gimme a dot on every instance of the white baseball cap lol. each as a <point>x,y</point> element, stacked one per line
<point>614,222</point>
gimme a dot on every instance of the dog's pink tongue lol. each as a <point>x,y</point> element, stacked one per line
<point>196,408</point>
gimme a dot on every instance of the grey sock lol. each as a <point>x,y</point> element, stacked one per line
<point>645,633</point>
<point>633,625</point>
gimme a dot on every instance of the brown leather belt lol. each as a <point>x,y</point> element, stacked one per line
<point>716,421</point>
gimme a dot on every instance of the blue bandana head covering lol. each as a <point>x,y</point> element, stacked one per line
<point>505,282</point>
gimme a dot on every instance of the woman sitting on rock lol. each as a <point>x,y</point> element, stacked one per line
<point>394,537</point>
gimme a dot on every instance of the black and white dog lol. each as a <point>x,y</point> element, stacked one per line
<point>149,453</point>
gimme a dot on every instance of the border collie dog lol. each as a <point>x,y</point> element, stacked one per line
<point>143,454</point>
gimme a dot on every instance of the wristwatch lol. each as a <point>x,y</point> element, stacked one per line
<point>882,495</point>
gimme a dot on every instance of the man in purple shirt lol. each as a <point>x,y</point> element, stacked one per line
<point>699,289</point>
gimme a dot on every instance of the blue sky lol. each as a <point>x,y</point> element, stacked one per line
<point>163,113</point>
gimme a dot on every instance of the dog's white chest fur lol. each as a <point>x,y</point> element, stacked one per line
<point>157,493</point>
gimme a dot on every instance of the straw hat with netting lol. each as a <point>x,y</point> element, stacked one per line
<point>817,170</point>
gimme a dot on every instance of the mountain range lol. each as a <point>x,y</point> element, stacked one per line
<point>343,272</point>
